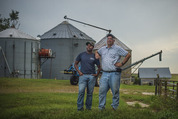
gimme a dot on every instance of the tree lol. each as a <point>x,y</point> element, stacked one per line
<point>11,22</point>
<point>4,23</point>
<point>14,18</point>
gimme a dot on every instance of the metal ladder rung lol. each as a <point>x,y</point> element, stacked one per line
<point>173,90</point>
<point>171,84</point>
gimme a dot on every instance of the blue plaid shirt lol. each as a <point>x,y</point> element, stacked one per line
<point>109,56</point>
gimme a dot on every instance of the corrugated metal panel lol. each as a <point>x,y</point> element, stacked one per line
<point>103,42</point>
<point>152,73</point>
<point>14,33</point>
<point>66,53</point>
<point>65,30</point>
<point>22,56</point>
<point>21,51</point>
<point>67,42</point>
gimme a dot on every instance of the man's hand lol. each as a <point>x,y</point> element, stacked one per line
<point>95,75</point>
<point>97,56</point>
<point>76,67</point>
<point>98,71</point>
<point>80,73</point>
<point>118,64</point>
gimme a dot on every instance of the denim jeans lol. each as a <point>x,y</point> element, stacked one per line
<point>107,81</point>
<point>85,81</point>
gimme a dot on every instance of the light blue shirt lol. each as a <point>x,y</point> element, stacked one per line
<point>109,56</point>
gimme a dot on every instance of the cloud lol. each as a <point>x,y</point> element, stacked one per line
<point>169,46</point>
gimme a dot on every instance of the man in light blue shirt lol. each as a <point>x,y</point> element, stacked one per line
<point>110,60</point>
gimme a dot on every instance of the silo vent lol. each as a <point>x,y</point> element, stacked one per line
<point>76,44</point>
<point>10,34</point>
<point>74,36</point>
<point>81,34</point>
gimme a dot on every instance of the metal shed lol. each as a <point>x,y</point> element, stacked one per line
<point>67,42</point>
<point>21,52</point>
<point>148,75</point>
<point>103,42</point>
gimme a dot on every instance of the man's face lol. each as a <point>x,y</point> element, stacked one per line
<point>110,40</point>
<point>89,48</point>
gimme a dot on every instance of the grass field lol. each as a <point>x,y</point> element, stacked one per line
<point>174,77</point>
<point>56,99</point>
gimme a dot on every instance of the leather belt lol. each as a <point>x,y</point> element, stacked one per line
<point>117,70</point>
<point>109,71</point>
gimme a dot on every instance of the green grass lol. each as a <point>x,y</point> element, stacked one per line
<point>145,88</point>
<point>174,77</point>
<point>56,99</point>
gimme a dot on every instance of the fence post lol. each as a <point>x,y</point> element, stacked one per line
<point>177,91</point>
<point>165,88</point>
<point>156,84</point>
<point>173,89</point>
<point>159,88</point>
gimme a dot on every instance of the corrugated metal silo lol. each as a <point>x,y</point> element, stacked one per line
<point>67,41</point>
<point>21,51</point>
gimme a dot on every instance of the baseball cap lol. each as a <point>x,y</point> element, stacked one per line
<point>110,35</point>
<point>91,43</point>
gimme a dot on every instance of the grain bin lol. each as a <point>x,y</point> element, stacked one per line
<point>21,52</point>
<point>67,42</point>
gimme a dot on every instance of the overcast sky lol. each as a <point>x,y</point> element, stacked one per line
<point>145,26</point>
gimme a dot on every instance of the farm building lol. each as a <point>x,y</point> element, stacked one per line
<point>21,52</point>
<point>103,42</point>
<point>148,75</point>
<point>67,42</point>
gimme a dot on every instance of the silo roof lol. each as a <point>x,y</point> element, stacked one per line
<point>65,30</point>
<point>146,73</point>
<point>14,33</point>
<point>103,42</point>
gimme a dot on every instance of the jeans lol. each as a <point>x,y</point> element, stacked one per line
<point>107,81</point>
<point>85,81</point>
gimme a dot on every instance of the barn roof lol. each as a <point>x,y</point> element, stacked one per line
<point>65,30</point>
<point>103,42</point>
<point>15,33</point>
<point>147,73</point>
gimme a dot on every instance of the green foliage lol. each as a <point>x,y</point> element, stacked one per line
<point>138,87</point>
<point>137,81</point>
<point>161,103</point>
<point>137,105</point>
<point>4,23</point>
<point>174,77</point>
<point>12,21</point>
<point>167,114</point>
<point>145,99</point>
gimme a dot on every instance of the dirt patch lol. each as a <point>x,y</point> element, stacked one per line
<point>135,102</point>
<point>147,93</point>
<point>124,91</point>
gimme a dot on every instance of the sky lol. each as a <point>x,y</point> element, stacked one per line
<point>145,26</point>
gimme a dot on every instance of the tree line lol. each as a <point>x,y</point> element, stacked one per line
<point>11,22</point>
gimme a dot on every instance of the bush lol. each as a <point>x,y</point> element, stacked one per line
<point>167,114</point>
<point>166,108</point>
<point>137,81</point>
